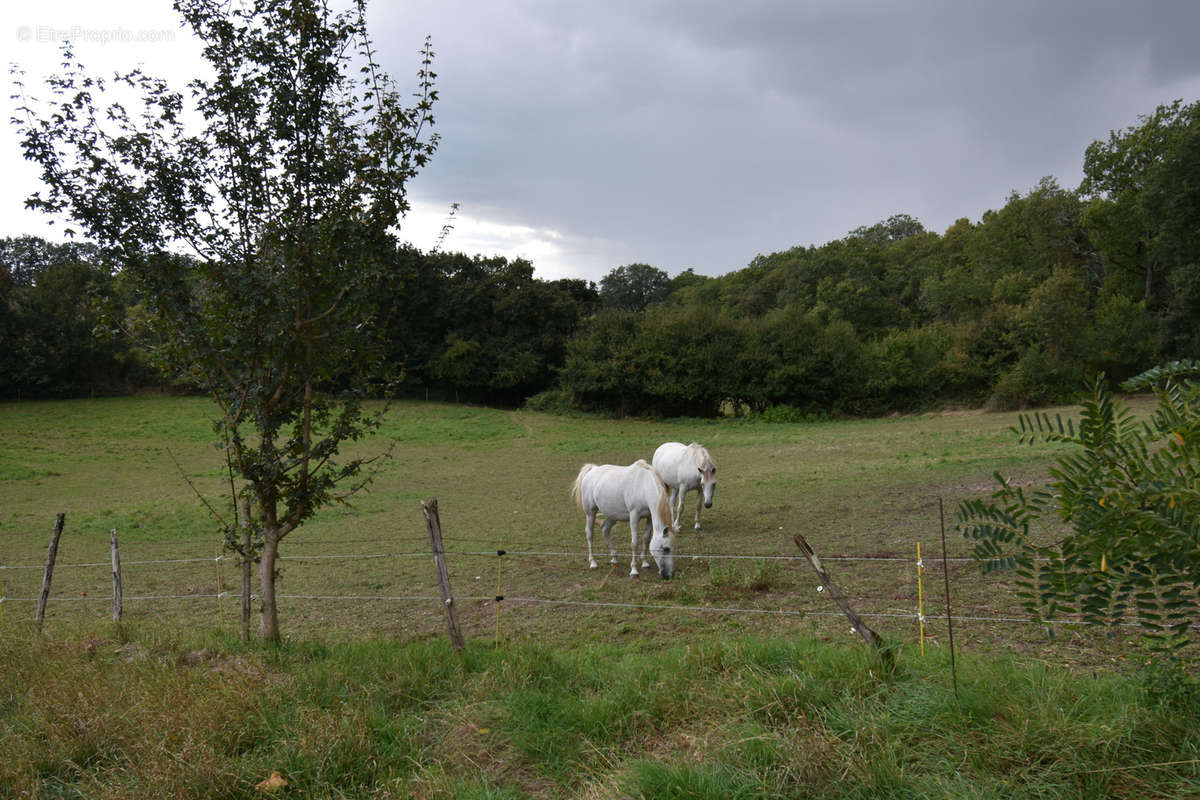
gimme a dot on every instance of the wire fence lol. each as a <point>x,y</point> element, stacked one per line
<point>467,549</point>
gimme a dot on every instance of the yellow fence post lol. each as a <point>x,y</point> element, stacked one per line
<point>920,598</point>
<point>499,592</point>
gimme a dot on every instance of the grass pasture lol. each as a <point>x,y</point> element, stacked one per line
<point>712,685</point>
<point>860,488</point>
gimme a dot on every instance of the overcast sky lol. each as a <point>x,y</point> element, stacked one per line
<point>588,135</point>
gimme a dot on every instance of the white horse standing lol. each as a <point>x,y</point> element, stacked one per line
<point>684,467</point>
<point>627,493</point>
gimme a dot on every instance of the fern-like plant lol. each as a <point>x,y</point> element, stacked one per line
<point>1129,494</point>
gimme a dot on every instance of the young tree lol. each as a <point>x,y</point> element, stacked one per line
<point>281,180</point>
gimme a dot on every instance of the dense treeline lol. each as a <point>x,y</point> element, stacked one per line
<point>54,338</point>
<point>1017,308</point>
<point>451,325</point>
<point>478,328</point>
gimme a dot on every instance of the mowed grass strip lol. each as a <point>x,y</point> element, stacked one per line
<point>862,488</point>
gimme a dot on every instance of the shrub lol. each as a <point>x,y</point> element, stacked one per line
<point>1127,494</point>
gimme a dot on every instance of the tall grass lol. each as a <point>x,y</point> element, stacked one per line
<point>147,712</point>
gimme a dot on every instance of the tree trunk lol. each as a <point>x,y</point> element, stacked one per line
<point>269,626</point>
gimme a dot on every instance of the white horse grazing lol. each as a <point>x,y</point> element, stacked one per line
<point>685,467</point>
<point>627,493</point>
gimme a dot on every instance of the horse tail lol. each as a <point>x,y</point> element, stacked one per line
<point>576,490</point>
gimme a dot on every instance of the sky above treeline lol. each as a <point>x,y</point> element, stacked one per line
<point>585,136</point>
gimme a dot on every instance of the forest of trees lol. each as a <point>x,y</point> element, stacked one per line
<point>1016,309</point>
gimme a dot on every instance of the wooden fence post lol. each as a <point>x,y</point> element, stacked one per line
<point>116,570</point>
<point>946,581</point>
<point>861,628</point>
<point>40,615</point>
<point>434,524</point>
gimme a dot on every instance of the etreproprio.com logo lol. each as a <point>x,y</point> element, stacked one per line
<point>52,34</point>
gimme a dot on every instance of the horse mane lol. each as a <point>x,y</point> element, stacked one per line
<point>576,493</point>
<point>664,507</point>
<point>701,455</point>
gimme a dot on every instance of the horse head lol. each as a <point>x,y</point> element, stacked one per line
<point>708,478</point>
<point>662,548</point>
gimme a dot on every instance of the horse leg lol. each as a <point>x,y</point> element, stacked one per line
<point>634,524</point>
<point>587,529</point>
<point>646,543</point>
<point>699,502</point>
<point>671,498</point>
<point>606,529</point>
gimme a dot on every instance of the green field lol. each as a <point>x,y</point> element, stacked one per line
<point>735,679</point>
<point>859,488</point>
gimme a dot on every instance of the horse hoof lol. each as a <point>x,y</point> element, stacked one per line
<point>697,528</point>
<point>633,574</point>
<point>593,565</point>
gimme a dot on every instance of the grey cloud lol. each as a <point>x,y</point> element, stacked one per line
<point>701,133</point>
